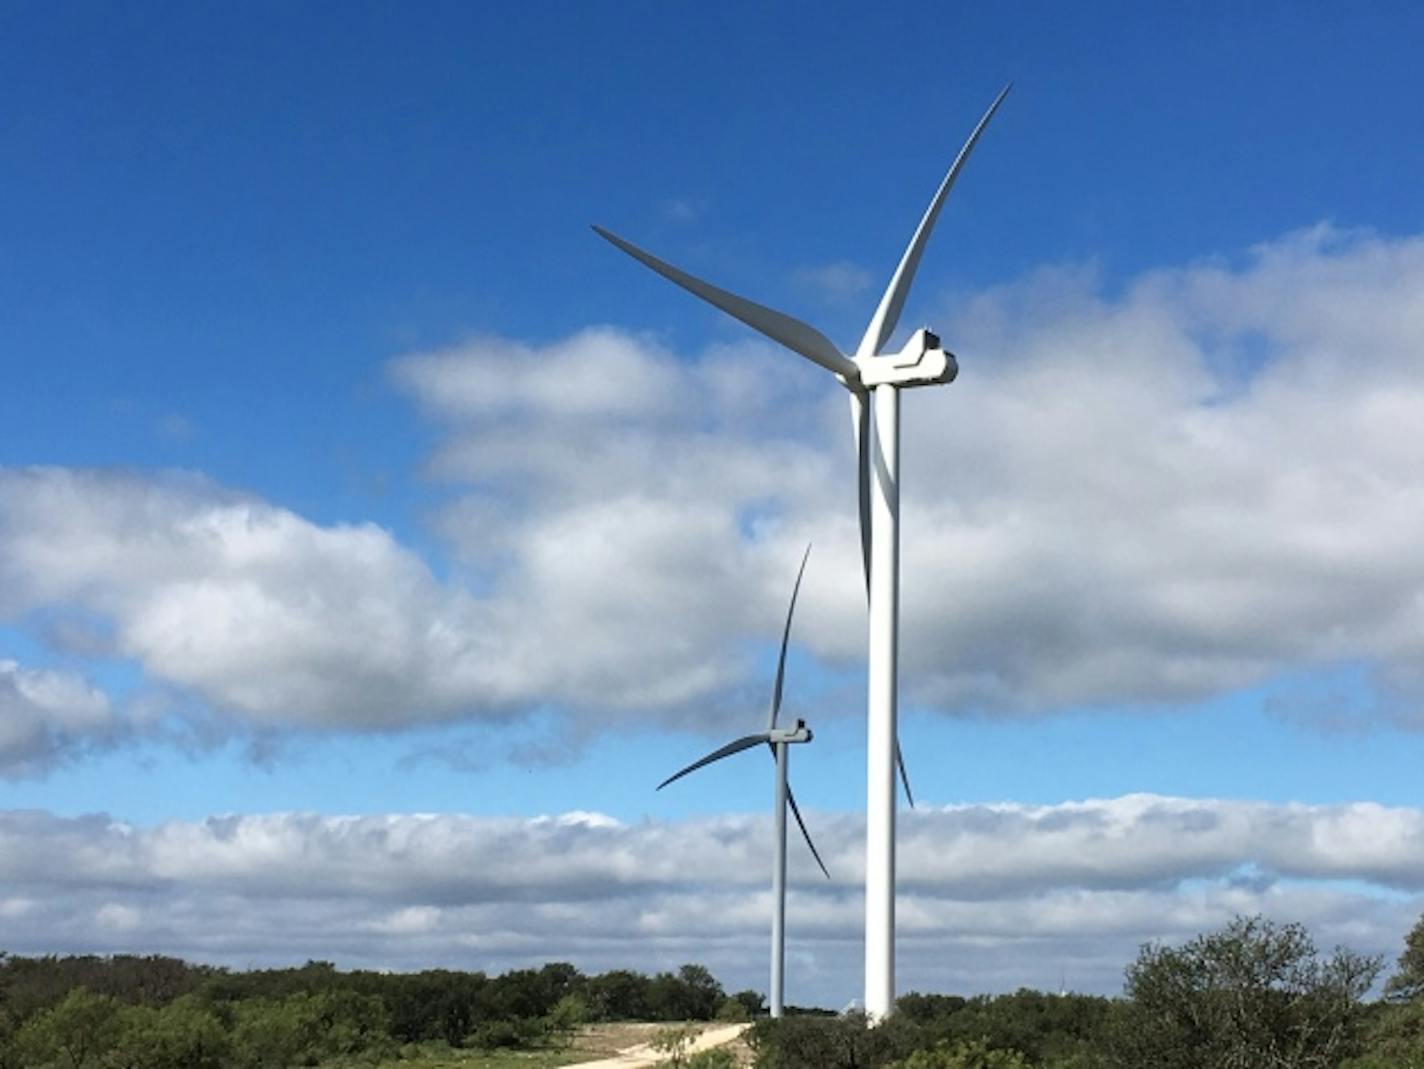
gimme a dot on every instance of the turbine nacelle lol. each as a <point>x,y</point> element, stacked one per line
<point>800,733</point>
<point>920,363</point>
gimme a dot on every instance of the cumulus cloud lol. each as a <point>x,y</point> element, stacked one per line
<point>1180,490</point>
<point>254,608</point>
<point>991,896</point>
<point>48,717</point>
<point>1188,486</point>
<point>1197,482</point>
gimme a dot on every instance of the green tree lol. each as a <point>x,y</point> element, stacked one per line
<point>1254,995</point>
<point>619,995</point>
<point>9,1056</point>
<point>75,1034</point>
<point>434,1004</point>
<point>690,994</point>
<point>929,1009</point>
<point>270,1033</point>
<point>753,1003</point>
<point>306,1029</point>
<point>701,992</point>
<point>1394,1038</point>
<point>569,1014</point>
<point>1408,981</point>
<point>349,1022</point>
<point>1046,1029</point>
<point>182,1035</point>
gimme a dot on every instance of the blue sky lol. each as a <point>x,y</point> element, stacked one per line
<point>331,464</point>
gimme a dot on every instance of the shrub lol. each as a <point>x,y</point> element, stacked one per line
<point>568,1014</point>
<point>674,1042</point>
<point>716,1058</point>
<point>976,1054</point>
<point>845,1042</point>
<point>732,1011</point>
<point>510,1033</point>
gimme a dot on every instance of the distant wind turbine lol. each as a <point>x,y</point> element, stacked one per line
<point>874,380</point>
<point>778,739</point>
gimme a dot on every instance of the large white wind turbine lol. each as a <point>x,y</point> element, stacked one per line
<point>778,739</point>
<point>874,380</point>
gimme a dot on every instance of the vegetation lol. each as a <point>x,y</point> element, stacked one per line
<point>1255,995</point>
<point>129,1012</point>
<point>1407,983</point>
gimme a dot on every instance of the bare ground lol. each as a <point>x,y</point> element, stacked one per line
<point>630,1046</point>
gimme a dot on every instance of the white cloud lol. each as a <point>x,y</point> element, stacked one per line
<point>49,716</point>
<point>256,609</point>
<point>1194,485</point>
<point>991,896</point>
<point>1199,483</point>
<point>117,917</point>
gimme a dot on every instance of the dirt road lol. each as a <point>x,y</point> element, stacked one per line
<point>644,1055</point>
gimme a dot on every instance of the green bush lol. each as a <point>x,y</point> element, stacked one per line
<point>975,1054</point>
<point>844,1042</point>
<point>512,1033</point>
<point>674,1043</point>
<point>716,1058</point>
<point>732,1011</point>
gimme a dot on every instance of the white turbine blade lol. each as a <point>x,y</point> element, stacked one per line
<point>904,776</point>
<point>744,743</point>
<point>860,428</point>
<point>785,635</point>
<point>887,315</point>
<point>797,336</point>
<point>796,812</point>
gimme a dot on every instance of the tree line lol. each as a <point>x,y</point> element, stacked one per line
<point>155,1012</point>
<point>1254,995</point>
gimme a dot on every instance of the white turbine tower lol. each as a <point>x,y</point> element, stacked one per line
<point>778,739</point>
<point>874,380</point>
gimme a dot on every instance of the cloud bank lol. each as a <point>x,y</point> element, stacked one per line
<point>1199,482</point>
<point>992,897</point>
